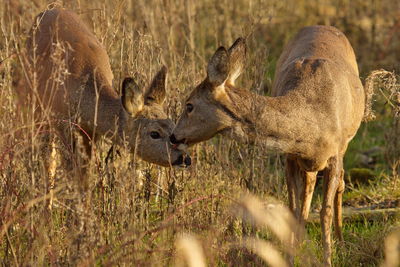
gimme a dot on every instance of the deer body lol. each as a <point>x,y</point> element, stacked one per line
<point>316,109</point>
<point>71,76</point>
<point>318,71</point>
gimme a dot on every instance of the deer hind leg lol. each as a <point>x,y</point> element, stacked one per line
<point>338,207</point>
<point>332,176</point>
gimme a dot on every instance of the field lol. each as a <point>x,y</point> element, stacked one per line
<point>127,212</point>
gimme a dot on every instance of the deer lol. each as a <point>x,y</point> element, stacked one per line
<point>69,74</point>
<point>317,105</point>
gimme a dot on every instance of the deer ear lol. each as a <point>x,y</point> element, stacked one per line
<point>132,96</point>
<point>218,67</point>
<point>156,92</point>
<point>237,56</point>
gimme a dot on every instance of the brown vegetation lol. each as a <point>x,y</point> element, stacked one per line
<point>133,212</point>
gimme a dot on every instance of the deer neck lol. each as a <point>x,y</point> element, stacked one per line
<point>103,113</point>
<point>276,122</point>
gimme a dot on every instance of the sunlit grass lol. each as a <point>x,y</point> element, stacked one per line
<point>134,213</point>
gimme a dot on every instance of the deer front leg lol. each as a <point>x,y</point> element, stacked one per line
<point>310,179</point>
<point>84,160</point>
<point>291,175</point>
<point>291,167</point>
<point>338,207</point>
<point>332,175</point>
<point>301,186</point>
<point>52,167</point>
<point>306,184</point>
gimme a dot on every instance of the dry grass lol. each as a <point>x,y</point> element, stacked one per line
<point>127,212</point>
<point>191,250</point>
<point>388,82</point>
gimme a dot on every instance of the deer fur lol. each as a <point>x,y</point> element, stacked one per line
<point>317,106</point>
<point>69,73</point>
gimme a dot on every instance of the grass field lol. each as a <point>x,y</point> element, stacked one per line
<point>132,213</point>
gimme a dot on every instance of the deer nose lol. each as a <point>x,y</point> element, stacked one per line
<point>178,161</point>
<point>183,161</point>
<point>173,140</point>
<point>188,161</point>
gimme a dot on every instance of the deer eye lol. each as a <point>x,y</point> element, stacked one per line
<point>155,135</point>
<point>189,108</point>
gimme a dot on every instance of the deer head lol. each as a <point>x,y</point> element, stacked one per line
<point>147,127</point>
<point>209,109</point>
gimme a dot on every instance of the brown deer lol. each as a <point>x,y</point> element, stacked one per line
<point>69,73</point>
<point>317,106</point>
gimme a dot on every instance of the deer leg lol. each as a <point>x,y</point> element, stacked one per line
<point>52,167</point>
<point>87,149</point>
<point>302,188</point>
<point>49,153</point>
<point>291,169</point>
<point>305,183</point>
<point>332,175</point>
<point>310,179</point>
<point>338,207</point>
<point>85,160</point>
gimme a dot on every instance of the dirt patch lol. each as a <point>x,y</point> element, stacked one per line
<point>363,202</point>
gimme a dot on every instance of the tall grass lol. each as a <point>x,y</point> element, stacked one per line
<point>133,213</point>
